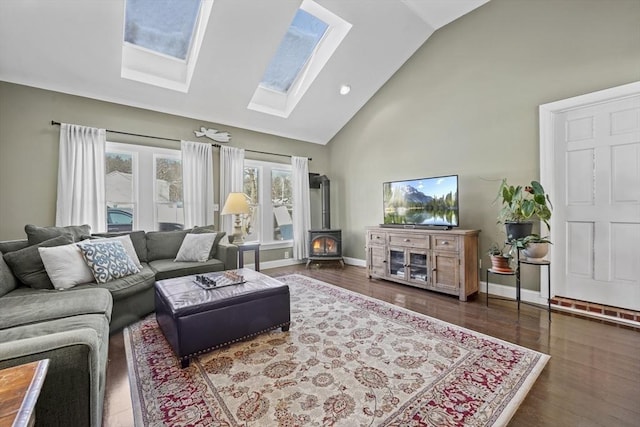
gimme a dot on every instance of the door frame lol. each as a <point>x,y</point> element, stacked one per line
<point>547,116</point>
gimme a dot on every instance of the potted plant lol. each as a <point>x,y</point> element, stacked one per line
<point>534,247</point>
<point>520,204</point>
<point>499,260</point>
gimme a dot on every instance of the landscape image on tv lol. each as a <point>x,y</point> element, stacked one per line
<point>426,201</point>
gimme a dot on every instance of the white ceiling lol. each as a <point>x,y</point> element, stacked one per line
<point>74,47</point>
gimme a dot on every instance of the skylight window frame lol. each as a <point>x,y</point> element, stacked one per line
<point>158,69</point>
<point>270,101</point>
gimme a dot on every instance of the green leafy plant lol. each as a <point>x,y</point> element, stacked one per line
<point>532,238</point>
<point>496,250</point>
<point>523,203</point>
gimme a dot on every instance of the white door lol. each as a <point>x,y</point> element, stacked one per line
<point>596,183</point>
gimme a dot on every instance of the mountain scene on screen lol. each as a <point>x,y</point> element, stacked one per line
<point>406,204</point>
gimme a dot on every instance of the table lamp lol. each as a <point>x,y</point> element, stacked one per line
<point>237,205</point>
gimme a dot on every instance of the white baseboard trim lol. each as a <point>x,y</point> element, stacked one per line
<point>276,263</point>
<point>355,261</point>
<point>504,291</point>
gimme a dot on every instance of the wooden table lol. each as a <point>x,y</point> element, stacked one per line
<point>19,390</point>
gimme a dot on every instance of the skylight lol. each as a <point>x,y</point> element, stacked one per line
<point>294,51</point>
<point>164,28</point>
<point>311,39</point>
<point>162,40</point>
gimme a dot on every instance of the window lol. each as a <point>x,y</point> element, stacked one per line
<point>269,188</point>
<point>143,188</point>
<point>162,41</point>
<point>311,39</point>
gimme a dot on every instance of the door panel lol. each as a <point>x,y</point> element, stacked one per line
<point>597,171</point>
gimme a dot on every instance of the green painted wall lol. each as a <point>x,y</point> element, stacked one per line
<point>467,103</point>
<point>29,148</point>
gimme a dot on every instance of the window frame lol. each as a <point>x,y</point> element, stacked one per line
<point>144,192</point>
<point>264,169</point>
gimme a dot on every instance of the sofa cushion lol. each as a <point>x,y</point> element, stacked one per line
<point>37,234</point>
<point>138,238</point>
<point>13,245</point>
<point>123,288</point>
<point>168,268</point>
<point>65,266</point>
<point>27,265</point>
<point>8,281</point>
<point>196,247</point>
<point>29,306</point>
<point>211,229</point>
<point>107,259</point>
<point>164,244</point>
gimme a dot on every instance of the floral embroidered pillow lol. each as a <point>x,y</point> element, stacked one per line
<point>108,260</point>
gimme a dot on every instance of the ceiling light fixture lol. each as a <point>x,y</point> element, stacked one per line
<point>345,89</point>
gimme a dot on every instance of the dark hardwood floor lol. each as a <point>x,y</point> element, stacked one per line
<point>592,379</point>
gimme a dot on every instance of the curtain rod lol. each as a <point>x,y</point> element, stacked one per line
<point>54,123</point>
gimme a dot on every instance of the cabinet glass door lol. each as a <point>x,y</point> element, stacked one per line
<point>418,268</point>
<point>396,263</point>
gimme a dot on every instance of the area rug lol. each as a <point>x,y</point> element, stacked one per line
<point>348,360</point>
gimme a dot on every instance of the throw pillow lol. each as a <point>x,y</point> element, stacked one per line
<point>37,234</point>
<point>27,265</point>
<point>65,266</point>
<point>164,244</point>
<point>196,247</point>
<point>107,260</point>
<point>211,229</point>
<point>128,247</point>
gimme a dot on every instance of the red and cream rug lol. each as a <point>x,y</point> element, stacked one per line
<point>348,360</point>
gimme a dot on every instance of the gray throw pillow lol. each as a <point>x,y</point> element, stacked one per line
<point>164,244</point>
<point>8,281</point>
<point>210,229</point>
<point>37,234</point>
<point>27,265</point>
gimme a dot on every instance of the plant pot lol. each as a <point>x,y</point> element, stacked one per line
<point>535,251</point>
<point>500,264</point>
<point>518,230</point>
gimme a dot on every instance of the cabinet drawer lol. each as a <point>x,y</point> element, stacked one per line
<point>376,238</point>
<point>409,241</point>
<point>445,243</point>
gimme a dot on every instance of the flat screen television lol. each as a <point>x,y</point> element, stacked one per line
<point>424,202</point>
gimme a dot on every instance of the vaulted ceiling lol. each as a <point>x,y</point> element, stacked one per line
<point>75,47</point>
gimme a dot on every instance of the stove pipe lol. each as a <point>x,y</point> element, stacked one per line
<point>325,188</point>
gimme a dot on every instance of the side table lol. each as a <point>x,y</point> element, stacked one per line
<point>244,247</point>
<point>19,390</point>
<point>539,263</point>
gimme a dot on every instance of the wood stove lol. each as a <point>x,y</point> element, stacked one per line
<point>325,244</point>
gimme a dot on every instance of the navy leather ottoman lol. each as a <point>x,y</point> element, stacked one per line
<point>195,320</point>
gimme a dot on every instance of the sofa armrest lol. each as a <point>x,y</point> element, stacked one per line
<point>73,389</point>
<point>228,254</point>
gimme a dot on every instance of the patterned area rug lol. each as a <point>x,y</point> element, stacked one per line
<point>348,360</point>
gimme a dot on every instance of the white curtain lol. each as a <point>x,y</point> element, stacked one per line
<point>231,180</point>
<point>197,183</point>
<point>81,177</point>
<point>301,207</point>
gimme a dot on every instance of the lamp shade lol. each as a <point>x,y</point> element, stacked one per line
<point>236,204</point>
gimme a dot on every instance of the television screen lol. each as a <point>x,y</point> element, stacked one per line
<point>426,201</point>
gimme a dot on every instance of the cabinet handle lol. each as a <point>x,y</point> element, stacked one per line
<point>445,242</point>
<point>433,269</point>
<point>407,240</point>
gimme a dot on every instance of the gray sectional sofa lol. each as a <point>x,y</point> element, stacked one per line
<point>71,327</point>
